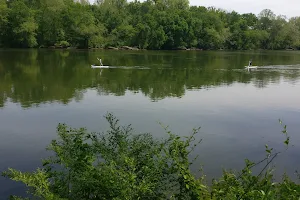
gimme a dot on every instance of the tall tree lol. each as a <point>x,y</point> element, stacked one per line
<point>22,25</point>
<point>50,20</point>
<point>4,12</point>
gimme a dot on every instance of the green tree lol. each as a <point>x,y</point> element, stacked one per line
<point>151,24</point>
<point>293,32</point>
<point>82,29</point>
<point>4,12</point>
<point>22,25</point>
<point>51,29</point>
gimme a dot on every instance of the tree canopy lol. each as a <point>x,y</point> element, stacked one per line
<point>151,24</point>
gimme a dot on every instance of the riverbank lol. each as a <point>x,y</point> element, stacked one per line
<point>128,48</point>
<point>119,48</point>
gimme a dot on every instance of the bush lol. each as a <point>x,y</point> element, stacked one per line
<point>62,44</point>
<point>114,165</point>
<point>118,164</point>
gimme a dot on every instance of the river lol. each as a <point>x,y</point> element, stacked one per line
<point>237,109</point>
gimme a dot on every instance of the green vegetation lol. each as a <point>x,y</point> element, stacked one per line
<point>151,24</point>
<point>118,164</point>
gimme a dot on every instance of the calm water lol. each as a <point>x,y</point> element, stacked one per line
<point>237,110</point>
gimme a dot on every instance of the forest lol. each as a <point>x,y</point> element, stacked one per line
<point>151,24</point>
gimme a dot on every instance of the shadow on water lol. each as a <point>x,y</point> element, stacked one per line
<point>38,76</point>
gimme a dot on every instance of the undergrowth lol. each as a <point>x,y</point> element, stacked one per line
<point>121,165</point>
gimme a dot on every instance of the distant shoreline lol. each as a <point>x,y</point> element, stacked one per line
<point>127,48</point>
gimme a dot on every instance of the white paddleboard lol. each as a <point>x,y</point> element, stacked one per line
<point>252,67</point>
<point>99,66</point>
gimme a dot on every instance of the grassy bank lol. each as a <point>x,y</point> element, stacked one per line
<point>119,164</point>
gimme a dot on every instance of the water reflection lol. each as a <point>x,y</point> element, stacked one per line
<point>33,77</point>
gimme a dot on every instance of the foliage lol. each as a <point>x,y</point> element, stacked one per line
<point>114,165</point>
<point>118,164</point>
<point>21,26</point>
<point>38,183</point>
<point>151,24</point>
<point>62,44</point>
<point>246,185</point>
<point>3,19</point>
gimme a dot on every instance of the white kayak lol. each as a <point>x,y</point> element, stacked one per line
<point>99,66</point>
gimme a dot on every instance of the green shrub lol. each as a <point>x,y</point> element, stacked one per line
<point>121,165</point>
<point>114,165</point>
<point>62,44</point>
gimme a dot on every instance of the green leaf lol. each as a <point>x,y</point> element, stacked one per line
<point>287,141</point>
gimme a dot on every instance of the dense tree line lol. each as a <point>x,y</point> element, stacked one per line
<point>152,24</point>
